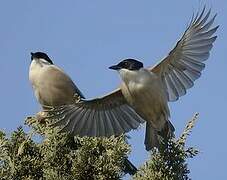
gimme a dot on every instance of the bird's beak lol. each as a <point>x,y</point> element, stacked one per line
<point>115,67</point>
<point>32,55</point>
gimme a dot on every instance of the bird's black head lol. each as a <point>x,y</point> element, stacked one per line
<point>40,55</point>
<point>130,64</point>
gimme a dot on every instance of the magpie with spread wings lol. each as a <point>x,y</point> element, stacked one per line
<point>142,96</point>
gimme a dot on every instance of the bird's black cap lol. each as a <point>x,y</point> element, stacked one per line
<point>41,55</point>
<point>130,64</point>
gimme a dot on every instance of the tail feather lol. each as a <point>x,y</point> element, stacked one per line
<point>129,167</point>
<point>167,131</point>
<point>153,136</point>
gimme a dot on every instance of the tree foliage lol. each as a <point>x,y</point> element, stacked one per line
<point>44,153</point>
<point>169,162</point>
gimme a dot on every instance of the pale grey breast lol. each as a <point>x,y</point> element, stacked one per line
<point>145,94</point>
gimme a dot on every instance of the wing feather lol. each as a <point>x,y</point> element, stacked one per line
<point>184,64</point>
<point>104,116</point>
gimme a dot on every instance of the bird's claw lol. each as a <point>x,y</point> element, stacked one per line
<point>77,98</point>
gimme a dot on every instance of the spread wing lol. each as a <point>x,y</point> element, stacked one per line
<point>184,64</point>
<point>105,116</point>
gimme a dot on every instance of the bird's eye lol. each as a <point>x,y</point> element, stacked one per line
<point>125,63</point>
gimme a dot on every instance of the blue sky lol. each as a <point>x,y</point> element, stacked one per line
<point>85,37</point>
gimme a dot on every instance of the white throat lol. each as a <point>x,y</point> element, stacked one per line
<point>134,76</point>
<point>39,63</point>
